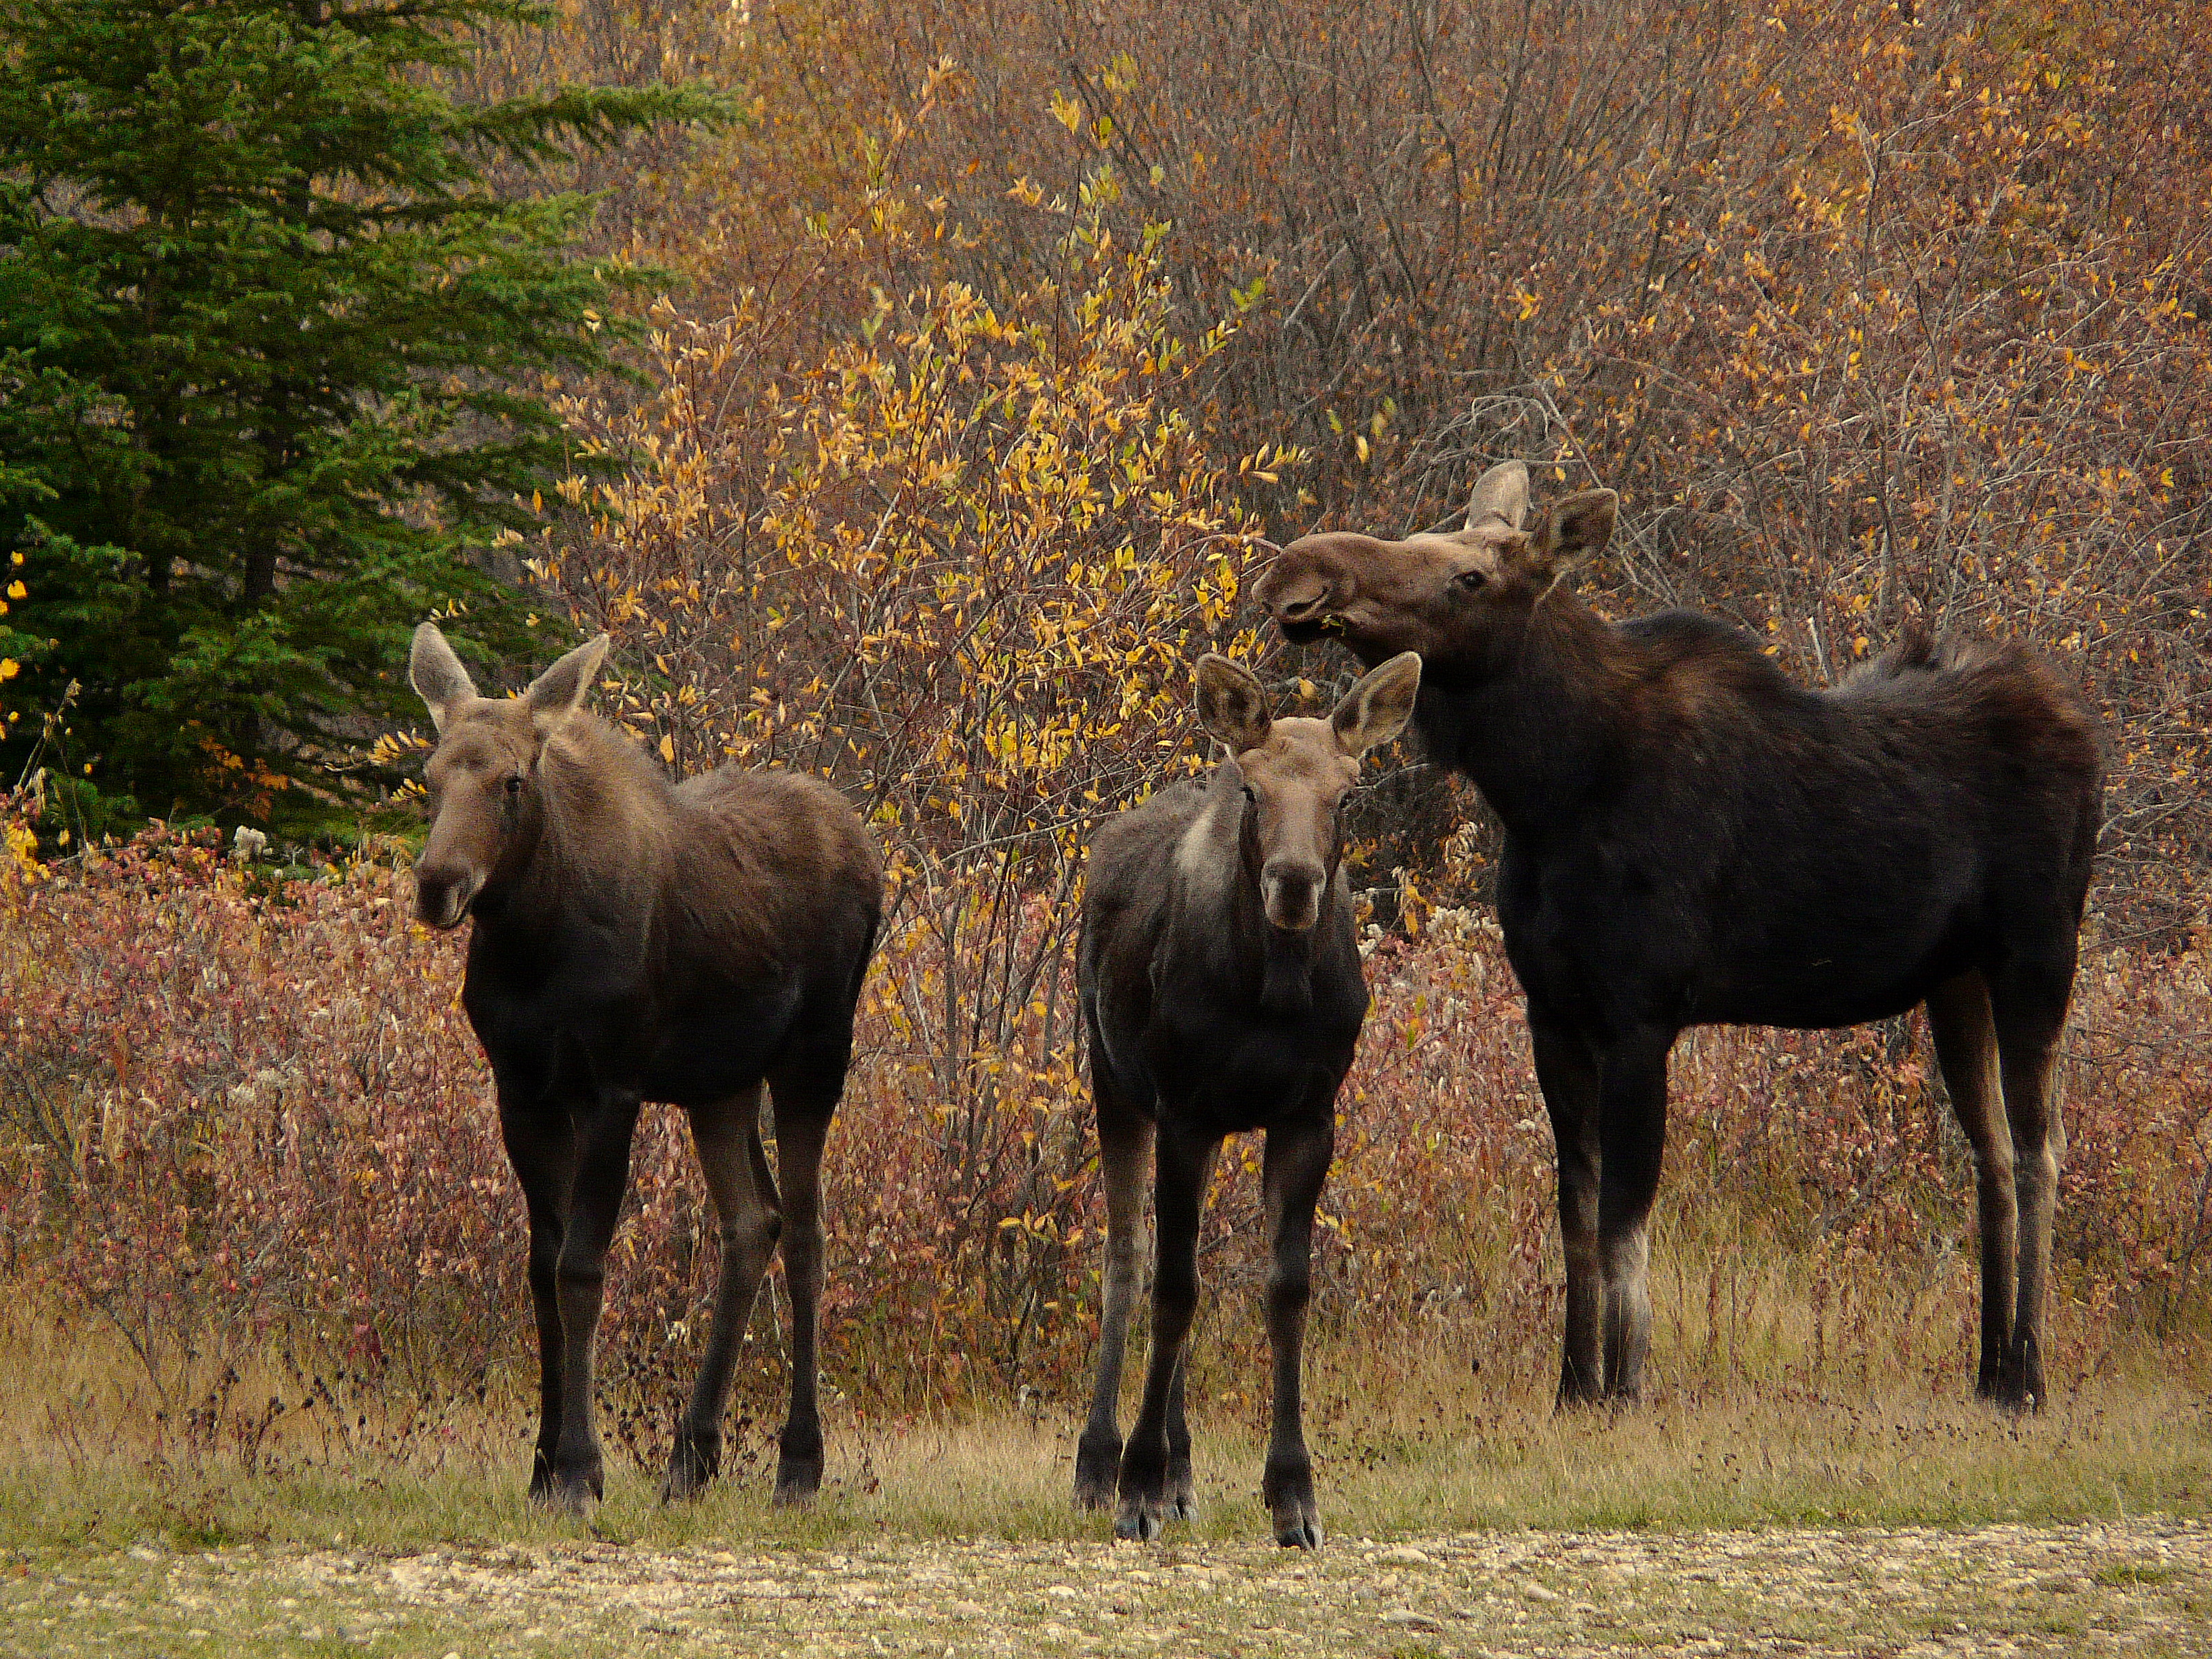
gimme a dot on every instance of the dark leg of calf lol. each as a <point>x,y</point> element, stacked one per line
<point>604,1132</point>
<point>727,1137</point>
<point>1182,1486</point>
<point>1125,1144</point>
<point>1567,1072</point>
<point>805,1098</point>
<point>540,1146</point>
<point>1181,1156</point>
<point>1297,1162</point>
<point>2029,998</point>
<point>1966,1048</point>
<point>1632,1140</point>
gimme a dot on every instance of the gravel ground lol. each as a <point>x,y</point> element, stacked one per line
<point>2131,1586</point>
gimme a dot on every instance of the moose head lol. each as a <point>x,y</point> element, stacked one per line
<point>485,778</point>
<point>1297,773</point>
<point>1463,599</point>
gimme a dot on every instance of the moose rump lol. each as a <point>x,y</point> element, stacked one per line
<point>638,940</point>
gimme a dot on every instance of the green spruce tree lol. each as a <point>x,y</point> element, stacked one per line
<point>271,354</point>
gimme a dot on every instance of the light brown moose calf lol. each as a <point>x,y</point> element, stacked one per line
<point>1221,992</point>
<point>639,940</point>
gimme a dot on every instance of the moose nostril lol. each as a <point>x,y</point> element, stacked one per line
<point>1292,894</point>
<point>441,894</point>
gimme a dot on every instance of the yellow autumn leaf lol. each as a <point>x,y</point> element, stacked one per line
<point>668,749</point>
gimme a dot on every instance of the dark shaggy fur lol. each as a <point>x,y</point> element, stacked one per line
<point>1690,838</point>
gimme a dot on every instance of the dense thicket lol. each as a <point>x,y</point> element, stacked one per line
<point>1876,314</point>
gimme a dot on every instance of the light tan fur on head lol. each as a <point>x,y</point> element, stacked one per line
<point>437,676</point>
<point>1297,771</point>
<point>486,777</point>
<point>1501,493</point>
<point>1446,596</point>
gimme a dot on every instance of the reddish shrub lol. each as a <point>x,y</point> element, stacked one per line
<point>241,1115</point>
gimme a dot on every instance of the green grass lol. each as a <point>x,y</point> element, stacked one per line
<point>1746,1457</point>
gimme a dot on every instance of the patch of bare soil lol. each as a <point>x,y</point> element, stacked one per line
<point>2136,1586</point>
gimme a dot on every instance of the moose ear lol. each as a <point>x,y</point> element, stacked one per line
<point>1502,493</point>
<point>437,675</point>
<point>1231,704</point>
<point>560,691</point>
<point>1376,709</point>
<point>1574,528</point>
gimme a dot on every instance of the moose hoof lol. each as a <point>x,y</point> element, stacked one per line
<point>1183,1495</point>
<point>691,1466</point>
<point>573,1493</point>
<point>1139,1520</point>
<point>1287,1487</point>
<point>1298,1529</point>
<point>798,1480</point>
<point>2016,1384</point>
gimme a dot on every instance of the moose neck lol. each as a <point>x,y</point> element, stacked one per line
<point>1218,917</point>
<point>1534,727</point>
<point>601,833</point>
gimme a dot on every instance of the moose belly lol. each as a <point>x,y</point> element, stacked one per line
<point>1829,982</point>
<point>710,1053</point>
<point>1245,1080</point>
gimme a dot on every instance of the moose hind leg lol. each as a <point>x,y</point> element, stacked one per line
<point>2029,1001</point>
<point>1567,1073</point>
<point>1182,1483</point>
<point>805,1100</point>
<point>540,1147</point>
<point>1297,1165</point>
<point>1182,1486</point>
<point>1125,1140</point>
<point>726,1136</point>
<point>1633,1138</point>
<point>1966,1036</point>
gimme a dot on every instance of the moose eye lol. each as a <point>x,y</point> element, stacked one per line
<point>515,785</point>
<point>1472,580</point>
<point>1249,795</point>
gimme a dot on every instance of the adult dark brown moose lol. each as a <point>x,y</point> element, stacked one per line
<point>637,940</point>
<point>1690,839</point>
<point>1221,992</point>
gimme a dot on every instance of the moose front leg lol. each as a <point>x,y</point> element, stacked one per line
<point>602,1175</point>
<point>541,1147</point>
<point>1298,1161</point>
<point>1181,1156</point>
<point>1566,1072</point>
<point>1125,1140</point>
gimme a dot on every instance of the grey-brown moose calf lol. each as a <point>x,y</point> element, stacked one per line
<point>639,940</point>
<point>1221,991</point>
